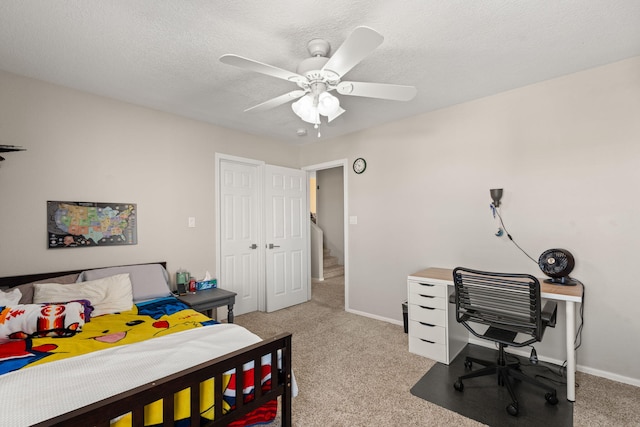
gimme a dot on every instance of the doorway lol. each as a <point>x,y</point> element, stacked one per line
<point>342,250</point>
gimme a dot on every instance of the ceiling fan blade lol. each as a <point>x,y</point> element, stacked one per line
<point>277,101</point>
<point>377,90</point>
<point>259,67</point>
<point>336,114</point>
<point>355,48</point>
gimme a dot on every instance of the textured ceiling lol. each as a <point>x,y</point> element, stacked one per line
<point>164,54</point>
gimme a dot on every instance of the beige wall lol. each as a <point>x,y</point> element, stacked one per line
<point>82,147</point>
<point>312,194</point>
<point>566,152</point>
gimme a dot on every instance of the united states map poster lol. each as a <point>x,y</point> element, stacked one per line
<point>85,224</point>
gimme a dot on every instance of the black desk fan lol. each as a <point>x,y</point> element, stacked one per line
<point>557,264</point>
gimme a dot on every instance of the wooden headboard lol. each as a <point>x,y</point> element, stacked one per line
<point>10,281</point>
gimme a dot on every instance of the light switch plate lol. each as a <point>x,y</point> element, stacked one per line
<point>353,220</point>
<point>192,221</point>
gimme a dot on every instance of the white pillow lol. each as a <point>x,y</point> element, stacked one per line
<point>10,298</point>
<point>148,280</point>
<point>108,295</point>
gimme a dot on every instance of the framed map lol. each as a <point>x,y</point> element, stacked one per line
<point>84,224</point>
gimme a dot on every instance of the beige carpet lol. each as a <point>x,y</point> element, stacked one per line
<point>356,371</point>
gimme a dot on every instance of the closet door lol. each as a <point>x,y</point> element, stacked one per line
<point>286,242</point>
<point>240,243</point>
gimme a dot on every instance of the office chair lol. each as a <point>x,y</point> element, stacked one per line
<point>509,304</point>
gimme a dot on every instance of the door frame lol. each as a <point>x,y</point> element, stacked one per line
<point>345,182</point>
<point>259,164</point>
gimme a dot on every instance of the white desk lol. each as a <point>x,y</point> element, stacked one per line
<point>570,295</point>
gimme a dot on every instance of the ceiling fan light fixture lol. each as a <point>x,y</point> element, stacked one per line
<point>305,109</point>
<point>328,104</point>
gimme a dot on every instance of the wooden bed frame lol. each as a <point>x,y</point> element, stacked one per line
<point>100,413</point>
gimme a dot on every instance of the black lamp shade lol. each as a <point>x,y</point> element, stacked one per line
<point>496,195</point>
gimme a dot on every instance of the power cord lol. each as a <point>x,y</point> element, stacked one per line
<point>496,211</point>
<point>577,342</point>
<point>578,338</point>
<point>541,365</point>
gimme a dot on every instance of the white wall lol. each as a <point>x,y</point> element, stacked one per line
<point>330,206</point>
<point>567,154</point>
<point>82,147</point>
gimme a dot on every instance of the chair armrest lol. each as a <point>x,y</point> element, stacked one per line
<point>548,313</point>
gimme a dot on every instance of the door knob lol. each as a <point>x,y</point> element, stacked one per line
<point>271,246</point>
<point>254,246</point>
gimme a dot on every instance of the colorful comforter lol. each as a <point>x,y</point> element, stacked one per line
<point>152,340</point>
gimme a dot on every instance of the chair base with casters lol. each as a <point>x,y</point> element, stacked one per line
<point>505,372</point>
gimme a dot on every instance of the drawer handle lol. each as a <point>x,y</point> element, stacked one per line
<point>427,284</point>
<point>426,296</point>
<point>430,342</point>
<point>427,324</point>
<point>428,308</point>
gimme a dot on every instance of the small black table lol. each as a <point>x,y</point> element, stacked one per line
<point>208,299</point>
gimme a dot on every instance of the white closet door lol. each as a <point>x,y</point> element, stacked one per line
<point>286,224</point>
<point>239,238</point>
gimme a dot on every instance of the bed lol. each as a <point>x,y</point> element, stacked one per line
<point>81,354</point>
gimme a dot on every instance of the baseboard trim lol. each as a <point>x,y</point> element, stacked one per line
<point>376,317</point>
<point>609,375</point>
<point>520,352</point>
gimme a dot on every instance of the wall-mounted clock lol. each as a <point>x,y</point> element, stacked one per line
<point>359,165</point>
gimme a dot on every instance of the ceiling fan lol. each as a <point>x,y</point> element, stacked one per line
<point>318,75</point>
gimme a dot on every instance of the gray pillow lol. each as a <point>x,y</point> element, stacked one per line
<point>27,288</point>
<point>147,280</point>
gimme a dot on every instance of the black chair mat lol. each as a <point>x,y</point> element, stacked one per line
<point>484,401</point>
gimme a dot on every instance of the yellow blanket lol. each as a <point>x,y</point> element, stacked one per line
<point>144,321</point>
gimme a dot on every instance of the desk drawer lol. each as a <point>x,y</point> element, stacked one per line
<point>427,300</point>
<point>435,351</point>
<point>426,288</point>
<point>433,316</point>
<point>427,331</point>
